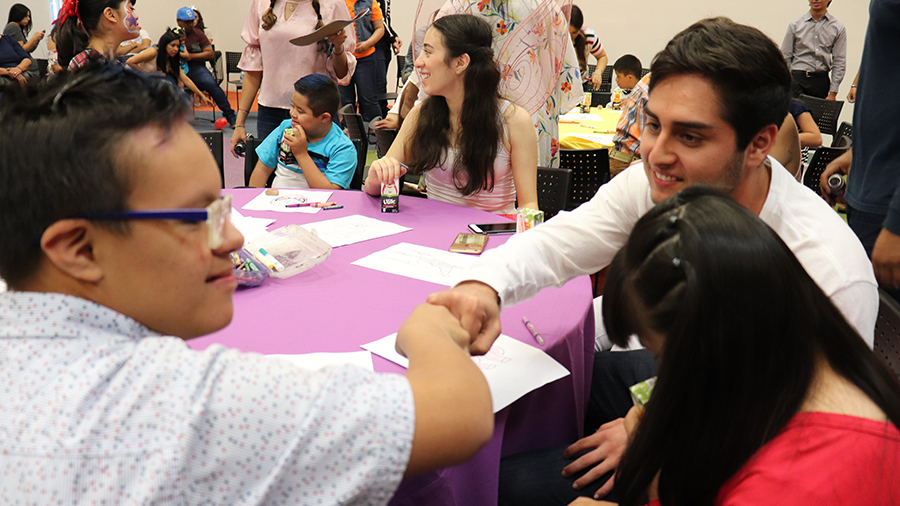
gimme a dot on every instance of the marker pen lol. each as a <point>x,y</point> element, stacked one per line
<point>270,261</point>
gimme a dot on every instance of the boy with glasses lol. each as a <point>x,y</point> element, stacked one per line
<point>117,248</point>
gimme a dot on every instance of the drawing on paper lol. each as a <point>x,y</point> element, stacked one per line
<point>491,359</point>
<point>285,200</point>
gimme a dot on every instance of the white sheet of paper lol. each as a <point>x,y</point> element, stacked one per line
<point>250,227</point>
<point>419,262</point>
<point>352,229</point>
<point>263,202</point>
<point>511,368</point>
<point>579,116</point>
<point>602,139</point>
<point>316,361</point>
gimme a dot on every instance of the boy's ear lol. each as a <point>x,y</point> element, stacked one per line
<point>68,245</point>
<point>325,117</point>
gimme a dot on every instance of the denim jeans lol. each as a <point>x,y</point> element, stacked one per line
<point>268,119</point>
<point>382,55</point>
<point>364,86</point>
<point>867,227</point>
<point>205,81</point>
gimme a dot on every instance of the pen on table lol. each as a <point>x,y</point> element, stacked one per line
<point>313,204</point>
<point>533,331</point>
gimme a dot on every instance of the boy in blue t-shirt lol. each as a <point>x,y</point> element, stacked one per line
<point>308,150</point>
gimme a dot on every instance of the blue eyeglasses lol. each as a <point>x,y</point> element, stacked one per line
<point>216,215</point>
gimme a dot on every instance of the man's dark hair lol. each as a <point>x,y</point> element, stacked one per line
<point>745,67</point>
<point>62,152</point>
<point>321,94</point>
<point>628,65</point>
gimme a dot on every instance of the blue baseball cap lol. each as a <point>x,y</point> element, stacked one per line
<point>186,14</point>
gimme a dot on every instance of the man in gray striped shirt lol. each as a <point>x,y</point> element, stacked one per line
<point>814,45</point>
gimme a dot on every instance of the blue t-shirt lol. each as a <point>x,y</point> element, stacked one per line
<point>334,155</point>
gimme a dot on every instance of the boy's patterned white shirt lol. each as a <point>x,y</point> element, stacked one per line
<point>97,409</point>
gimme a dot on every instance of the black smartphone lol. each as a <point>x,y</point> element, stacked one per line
<point>493,228</point>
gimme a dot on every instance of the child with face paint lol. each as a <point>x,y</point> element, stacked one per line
<point>139,43</point>
<point>92,30</point>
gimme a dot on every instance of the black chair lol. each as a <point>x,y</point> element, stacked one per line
<point>845,130</point>
<point>553,187</point>
<point>820,159</point>
<point>42,67</point>
<point>356,130</point>
<point>825,112</point>
<point>887,332</point>
<point>841,141</point>
<point>401,62</point>
<point>215,141</point>
<point>590,170</point>
<point>385,137</point>
<point>250,159</point>
<point>231,67</point>
<point>215,66</point>
<point>600,98</point>
<point>644,72</point>
<point>605,80</point>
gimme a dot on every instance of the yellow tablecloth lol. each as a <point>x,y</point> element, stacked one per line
<point>596,130</point>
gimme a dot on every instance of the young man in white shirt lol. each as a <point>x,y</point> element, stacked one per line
<point>718,93</point>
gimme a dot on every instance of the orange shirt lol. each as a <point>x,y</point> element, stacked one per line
<point>376,15</point>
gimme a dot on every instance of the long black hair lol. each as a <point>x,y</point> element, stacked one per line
<point>744,326</point>
<point>480,126</point>
<point>576,20</point>
<point>169,65</point>
<point>73,37</point>
<point>17,13</point>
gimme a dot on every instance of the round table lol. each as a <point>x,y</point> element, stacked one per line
<point>591,131</point>
<point>336,307</point>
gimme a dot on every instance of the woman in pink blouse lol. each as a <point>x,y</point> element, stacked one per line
<point>272,64</point>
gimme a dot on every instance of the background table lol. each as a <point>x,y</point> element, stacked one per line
<point>336,307</point>
<point>604,125</point>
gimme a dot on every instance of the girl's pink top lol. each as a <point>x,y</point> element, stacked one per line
<point>281,62</point>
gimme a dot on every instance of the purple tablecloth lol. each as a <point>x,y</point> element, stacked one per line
<point>336,307</point>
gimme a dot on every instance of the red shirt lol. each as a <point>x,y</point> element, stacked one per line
<point>821,459</point>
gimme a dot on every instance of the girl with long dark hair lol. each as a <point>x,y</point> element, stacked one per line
<point>90,30</point>
<point>19,26</point>
<point>765,394</point>
<point>474,148</point>
<point>272,64</point>
<point>168,61</point>
<point>586,42</point>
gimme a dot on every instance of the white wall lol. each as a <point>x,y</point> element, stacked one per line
<point>654,23</point>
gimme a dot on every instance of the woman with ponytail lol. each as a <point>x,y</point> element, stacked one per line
<point>272,64</point>
<point>586,42</point>
<point>473,147</point>
<point>89,30</point>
